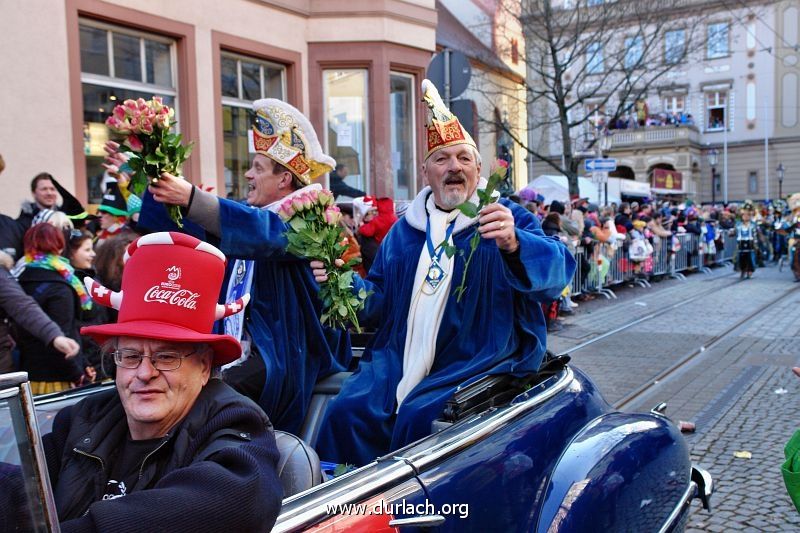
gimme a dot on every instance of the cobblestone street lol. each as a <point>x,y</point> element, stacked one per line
<point>725,370</point>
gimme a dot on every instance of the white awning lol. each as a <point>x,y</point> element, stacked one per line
<point>634,188</point>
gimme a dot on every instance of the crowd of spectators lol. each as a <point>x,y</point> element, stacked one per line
<point>632,235</point>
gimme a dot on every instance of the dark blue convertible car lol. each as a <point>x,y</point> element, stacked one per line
<point>543,452</point>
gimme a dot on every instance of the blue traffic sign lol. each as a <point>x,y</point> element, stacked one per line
<point>605,165</point>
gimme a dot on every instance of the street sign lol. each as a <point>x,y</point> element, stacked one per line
<point>605,165</point>
<point>599,177</point>
<point>460,72</point>
<point>465,111</point>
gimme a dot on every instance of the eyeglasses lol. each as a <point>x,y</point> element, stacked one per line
<point>163,361</point>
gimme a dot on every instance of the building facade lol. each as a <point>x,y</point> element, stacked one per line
<point>738,93</point>
<point>354,66</point>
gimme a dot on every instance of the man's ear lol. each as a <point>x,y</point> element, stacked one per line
<point>285,180</point>
<point>207,361</point>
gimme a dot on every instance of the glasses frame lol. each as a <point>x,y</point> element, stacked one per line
<point>115,355</point>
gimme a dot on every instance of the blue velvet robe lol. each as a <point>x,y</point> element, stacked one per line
<point>498,327</point>
<point>283,314</point>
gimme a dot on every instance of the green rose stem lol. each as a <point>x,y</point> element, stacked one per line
<point>485,197</point>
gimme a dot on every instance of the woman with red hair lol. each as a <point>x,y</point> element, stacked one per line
<point>52,282</point>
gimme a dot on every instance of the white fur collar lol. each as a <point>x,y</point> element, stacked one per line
<point>417,217</point>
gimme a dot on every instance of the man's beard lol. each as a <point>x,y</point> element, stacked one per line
<point>450,199</point>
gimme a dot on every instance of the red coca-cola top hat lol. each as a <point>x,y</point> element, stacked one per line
<point>170,286</point>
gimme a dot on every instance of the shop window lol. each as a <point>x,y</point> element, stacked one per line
<point>117,64</point>
<point>716,110</point>
<point>752,183</point>
<point>243,80</point>
<point>594,59</point>
<point>402,128</point>
<point>718,40</point>
<point>674,46</point>
<point>346,129</point>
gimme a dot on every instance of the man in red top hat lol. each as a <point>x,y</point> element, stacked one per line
<point>171,444</point>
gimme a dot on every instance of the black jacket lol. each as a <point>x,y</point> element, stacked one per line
<point>215,471</point>
<point>340,188</point>
<point>60,302</point>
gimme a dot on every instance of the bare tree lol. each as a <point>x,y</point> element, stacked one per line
<point>588,64</point>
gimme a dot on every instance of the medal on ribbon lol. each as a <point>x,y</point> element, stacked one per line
<point>436,273</point>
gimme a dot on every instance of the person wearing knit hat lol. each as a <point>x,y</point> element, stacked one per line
<point>441,323</point>
<point>113,214</point>
<point>286,348</point>
<point>170,436</point>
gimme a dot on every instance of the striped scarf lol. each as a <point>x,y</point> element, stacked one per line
<point>60,265</point>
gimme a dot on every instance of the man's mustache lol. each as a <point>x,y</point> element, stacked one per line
<point>455,178</point>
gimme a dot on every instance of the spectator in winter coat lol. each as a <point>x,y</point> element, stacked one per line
<point>26,314</point>
<point>52,282</point>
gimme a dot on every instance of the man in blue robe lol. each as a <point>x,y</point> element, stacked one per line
<point>427,341</point>
<point>282,326</point>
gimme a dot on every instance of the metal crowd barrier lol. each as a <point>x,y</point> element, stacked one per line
<point>672,256</point>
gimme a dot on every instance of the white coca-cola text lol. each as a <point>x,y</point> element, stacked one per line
<point>181,298</point>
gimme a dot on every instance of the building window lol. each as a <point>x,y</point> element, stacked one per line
<point>243,80</point>
<point>716,110</point>
<point>675,103</point>
<point>717,40</point>
<point>346,130</point>
<point>674,46</point>
<point>594,58</point>
<point>634,49</point>
<point>752,183</point>
<point>514,51</point>
<point>402,128</point>
<point>117,64</point>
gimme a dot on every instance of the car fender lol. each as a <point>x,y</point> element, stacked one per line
<point>621,472</point>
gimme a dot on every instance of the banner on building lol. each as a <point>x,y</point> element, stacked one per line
<point>667,180</point>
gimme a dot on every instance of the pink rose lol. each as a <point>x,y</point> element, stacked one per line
<point>333,215</point>
<point>130,105</point>
<point>502,163</point>
<point>286,211</point>
<point>147,127</point>
<point>297,204</point>
<point>134,143</point>
<point>119,112</point>
<point>307,201</point>
<point>325,198</point>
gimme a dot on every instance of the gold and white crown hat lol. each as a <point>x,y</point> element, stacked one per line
<point>443,128</point>
<point>285,135</point>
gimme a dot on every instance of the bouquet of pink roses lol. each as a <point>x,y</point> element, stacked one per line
<point>147,125</point>
<point>314,233</point>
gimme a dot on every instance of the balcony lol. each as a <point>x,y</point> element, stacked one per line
<point>655,137</point>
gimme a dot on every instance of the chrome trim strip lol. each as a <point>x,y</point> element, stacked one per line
<point>314,509</point>
<point>423,460</point>
<point>35,437</point>
<point>691,490</point>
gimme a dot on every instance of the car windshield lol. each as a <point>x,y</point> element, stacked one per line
<point>22,474</point>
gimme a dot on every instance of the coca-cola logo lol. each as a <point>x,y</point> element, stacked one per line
<point>181,297</point>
